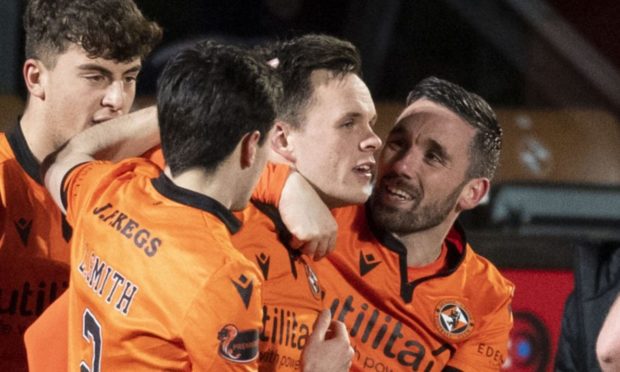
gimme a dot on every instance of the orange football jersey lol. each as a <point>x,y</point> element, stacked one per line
<point>34,252</point>
<point>451,316</point>
<point>292,296</point>
<point>155,281</point>
<point>47,340</point>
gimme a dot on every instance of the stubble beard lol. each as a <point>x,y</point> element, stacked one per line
<point>415,218</point>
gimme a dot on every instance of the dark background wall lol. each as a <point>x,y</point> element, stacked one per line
<point>483,45</point>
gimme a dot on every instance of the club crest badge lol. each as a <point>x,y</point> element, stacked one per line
<point>238,346</point>
<point>313,281</point>
<point>453,320</point>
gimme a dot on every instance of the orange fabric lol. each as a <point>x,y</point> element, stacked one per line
<point>292,296</point>
<point>459,317</point>
<point>46,339</point>
<point>155,275</point>
<point>54,355</point>
<point>34,251</point>
<point>267,190</point>
<point>156,156</point>
<point>271,183</point>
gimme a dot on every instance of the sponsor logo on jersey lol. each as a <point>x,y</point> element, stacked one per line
<point>244,288</point>
<point>23,228</point>
<point>453,319</point>
<point>367,263</point>
<point>238,346</point>
<point>29,298</point>
<point>284,327</point>
<point>313,281</point>
<point>384,343</point>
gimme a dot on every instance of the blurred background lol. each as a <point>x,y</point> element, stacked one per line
<point>550,68</point>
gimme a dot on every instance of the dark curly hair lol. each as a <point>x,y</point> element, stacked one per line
<point>487,143</point>
<point>110,29</point>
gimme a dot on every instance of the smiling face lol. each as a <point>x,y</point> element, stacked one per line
<point>79,91</point>
<point>422,169</point>
<point>334,146</point>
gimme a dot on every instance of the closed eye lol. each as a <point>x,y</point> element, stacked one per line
<point>348,124</point>
<point>436,154</point>
<point>396,143</point>
<point>95,78</point>
<point>434,157</point>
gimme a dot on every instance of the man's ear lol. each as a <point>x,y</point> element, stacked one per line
<point>249,147</point>
<point>473,192</point>
<point>34,76</point>
<point>281,141</point>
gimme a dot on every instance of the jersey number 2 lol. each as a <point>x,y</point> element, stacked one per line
<point>91,331</point>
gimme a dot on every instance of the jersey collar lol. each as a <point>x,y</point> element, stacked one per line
<point>22,152</point>
<point>455,242</point>
<point>193,199</point>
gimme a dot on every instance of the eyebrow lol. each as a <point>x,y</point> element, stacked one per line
<point>356,114</point>
<point>104,71</point>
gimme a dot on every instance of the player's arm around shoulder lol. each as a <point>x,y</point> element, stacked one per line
<point>128,135</point>
<point>307,217</point>
<point>302,210</point>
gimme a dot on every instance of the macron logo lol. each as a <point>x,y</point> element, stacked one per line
<point>23,229</point>
<point>244,287</point>
<point>367,263</point>
<point>263,263</point>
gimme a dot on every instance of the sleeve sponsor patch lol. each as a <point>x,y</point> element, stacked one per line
<point>238,346</point>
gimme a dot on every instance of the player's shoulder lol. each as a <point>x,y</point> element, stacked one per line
<point>257,216</point>
<point>139,166</point>
<point>6,153</point>
<point>485,279</point>
<point>14,179</point>
<point>97,183</point>
<point>228,263</point>
<point>216,249</point>
<point>121,171</point>
<point>258,232</point>
<point>156,156</point>
<point>349,215</point>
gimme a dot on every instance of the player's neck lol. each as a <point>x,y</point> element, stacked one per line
<point>213,185</point>
<point>274,157</point>
<point>424,247</point>
<point>38,136</point>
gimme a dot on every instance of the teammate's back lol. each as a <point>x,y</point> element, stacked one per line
<point>156,283</point>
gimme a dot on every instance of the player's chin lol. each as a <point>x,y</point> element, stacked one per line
<point>357,195</point>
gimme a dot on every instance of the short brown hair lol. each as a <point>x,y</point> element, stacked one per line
<point>110,29</point>
<point>298,58</point>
